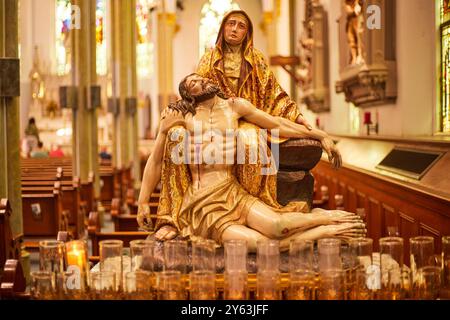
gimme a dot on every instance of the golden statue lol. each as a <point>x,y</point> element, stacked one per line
<point>195,158</point>
<point>240,70</point>
<point>354,30</point>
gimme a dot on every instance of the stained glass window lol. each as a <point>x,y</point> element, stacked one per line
<point>145,47</point>
<point>63,23</point>
<point>212,15</point>
<point>100,24</point>
<point>445,65</point>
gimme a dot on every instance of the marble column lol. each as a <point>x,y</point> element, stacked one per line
<point>125,86</point>
<point>10,186</point>
<point>133,125</point>
<point>84,76</point>
<point>10,180</point>
<point>115,41</point>
<point>166,32</point>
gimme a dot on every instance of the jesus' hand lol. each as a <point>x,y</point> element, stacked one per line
<point>334,156</point>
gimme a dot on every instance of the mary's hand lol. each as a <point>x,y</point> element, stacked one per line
<point>170,118</point>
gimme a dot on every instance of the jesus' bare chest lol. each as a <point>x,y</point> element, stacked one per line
<point>212,124</point>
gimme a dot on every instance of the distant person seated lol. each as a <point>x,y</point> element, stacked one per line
<point>31,136</point>
<point>31,129</point>
<point>104,155</point>
<point>56,152</point>
<point>39,152</point>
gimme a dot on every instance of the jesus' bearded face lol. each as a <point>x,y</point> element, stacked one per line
<point>201,89</point>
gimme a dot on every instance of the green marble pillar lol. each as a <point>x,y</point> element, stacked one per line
<point>114,70</point>
<point>93,111</point>
<point>10,180</point>
<point>84,75</point>
<point>10,187</point>
<point>134,119</point>
<point>124,83</point>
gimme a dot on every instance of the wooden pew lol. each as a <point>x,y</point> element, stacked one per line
<point>107,185</point>
<point>10,245</point>
<point>43,213</point>
<point>128,221</point>
<point>96,235</point>
<point>71,203</point>
<point>87,193</point>
<point>13,283</point>
<point>78,197</point>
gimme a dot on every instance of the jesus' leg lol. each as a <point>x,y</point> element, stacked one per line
<point>239,232</point>
<point>275,225</point>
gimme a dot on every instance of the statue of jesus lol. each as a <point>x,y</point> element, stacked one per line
<point>211,203</point>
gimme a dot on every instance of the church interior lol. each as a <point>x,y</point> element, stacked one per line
<point>85,86</point>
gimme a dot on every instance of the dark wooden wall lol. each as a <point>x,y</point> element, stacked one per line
<point>387,204</point>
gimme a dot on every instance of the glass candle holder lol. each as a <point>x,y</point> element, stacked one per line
<point>235,255</point>
<point>204,255</point>
<point>111,259</point>
<point>421,254</point>
<point>235,285</point>
<point>331,285</point>
<point>68,288</point>
<point>301,255</point>
<point>268,255</point>
<point>169,285</point>
<point>202,285</point>
<point>391,266</point>
<point>367,282</point>
<point>103,285</point>
<point>362,249</point>
<point>301,284</point>
<point>42,285</point>
<point>446,262</point>
<point>77,272</point>
<point>329,254</point>
<point>142,255</point>
<point>175,256</point>
<point>51,256</point>
<point>139,285</point>
<point>427,284</point>
<point>268,285</point>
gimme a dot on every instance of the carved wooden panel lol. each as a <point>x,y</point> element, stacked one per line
<point>333,191</point>
<point>426,230</point>
<point>388,203</point>
<point>374,220</point>
<point>343,191</point>
<point>361,200</point>
<point>390,220</point>
<point>352,199</point>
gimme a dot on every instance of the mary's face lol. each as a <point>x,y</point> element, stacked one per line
<point>236,29</point>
